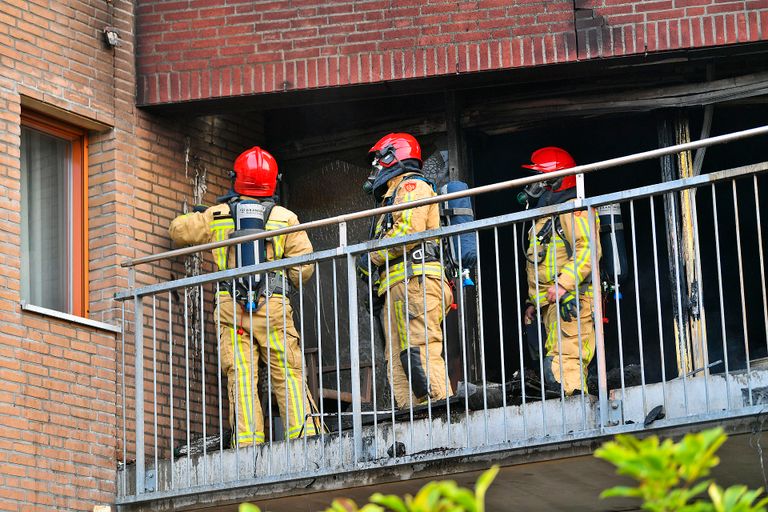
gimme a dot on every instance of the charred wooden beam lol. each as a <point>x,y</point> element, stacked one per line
<point>506,115</point>
<point>356,138</point>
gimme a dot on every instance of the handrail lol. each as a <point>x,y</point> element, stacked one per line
<point>494,187</point>
<point>443,231</point>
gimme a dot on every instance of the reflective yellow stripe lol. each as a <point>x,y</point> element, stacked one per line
<point>586,256</point>
<point>402,329</point>
<point>540,299</point>
<point>551,257</point>
<point>396,273</point>
<point>247,438</point>
<point>577,269</point>
<point>308,430</point>
<point>297,402</point>
<point>220,229</point>
<point>406,218</point>
<point>244,383</point>
<point>278,242</point>
<point>403,228</point>
<point>552,334</point>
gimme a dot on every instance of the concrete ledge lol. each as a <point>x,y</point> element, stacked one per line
<point>528,437</point>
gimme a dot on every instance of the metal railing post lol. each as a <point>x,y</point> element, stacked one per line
<point>138,320</point>
<point>597,311</point>
<point>354,347</point>
<point>580,190</point>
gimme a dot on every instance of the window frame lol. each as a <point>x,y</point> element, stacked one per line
<point>77,287</point>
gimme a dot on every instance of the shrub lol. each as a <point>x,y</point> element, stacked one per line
<point>439,496</point>
<point>672,476</point>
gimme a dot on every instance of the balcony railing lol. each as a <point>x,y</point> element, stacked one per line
<point>690,320</point>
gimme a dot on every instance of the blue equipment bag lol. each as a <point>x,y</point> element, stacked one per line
<point>459,211</point>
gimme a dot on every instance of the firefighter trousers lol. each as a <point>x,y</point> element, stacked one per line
<point>412,323</point>
<point>569,346</point>
<point>276,343</point>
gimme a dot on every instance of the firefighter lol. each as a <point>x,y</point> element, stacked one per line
<point>248,311</point>
<point>412,285</point>
<point>559,271</point>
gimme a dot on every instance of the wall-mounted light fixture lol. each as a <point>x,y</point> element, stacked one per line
<point>111,37</point>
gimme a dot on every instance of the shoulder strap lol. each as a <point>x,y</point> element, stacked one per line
<point>268,205</point>
<point>233,209</point>
<point>544,236</point>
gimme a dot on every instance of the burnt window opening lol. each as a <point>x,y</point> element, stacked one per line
<point>498,158</point>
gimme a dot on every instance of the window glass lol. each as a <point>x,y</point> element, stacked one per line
<point>51,213</point>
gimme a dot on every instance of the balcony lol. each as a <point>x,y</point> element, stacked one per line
<point>689,319</point>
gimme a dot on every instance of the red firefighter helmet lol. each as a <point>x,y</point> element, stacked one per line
<point>394,147</point>
<point>255,173</point>
<point>550,159</point>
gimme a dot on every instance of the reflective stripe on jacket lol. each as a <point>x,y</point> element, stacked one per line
<point>553,258</point>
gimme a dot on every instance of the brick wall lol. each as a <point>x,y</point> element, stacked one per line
<point>57,393</point>
<point>60,401</point>
<point>203,49</point>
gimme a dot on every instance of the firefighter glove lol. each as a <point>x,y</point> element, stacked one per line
<point>568,307</point>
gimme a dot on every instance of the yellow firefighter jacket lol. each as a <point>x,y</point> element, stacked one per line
<point>571,262</point>
<point>401,223</point>
<point>215,224</point>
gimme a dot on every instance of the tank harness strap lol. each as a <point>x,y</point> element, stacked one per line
<point>272,284</point>
<point>388,220</point>
<point>544,237</point>
<point>428,253</point>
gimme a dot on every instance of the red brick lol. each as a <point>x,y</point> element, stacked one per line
<point>665,15</point>
<point>333,71</point>
<point>720,28</point>
<point>722,8</point>
<point>452,59</point>
<point>752,25</point>
<point>653,6</point>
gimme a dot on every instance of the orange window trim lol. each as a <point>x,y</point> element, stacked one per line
<point>77,137</point>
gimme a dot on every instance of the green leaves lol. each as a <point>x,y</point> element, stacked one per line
<point>672,476</point>
<point>736,498</point>
<point>482,485</point>
<point>439,496</point>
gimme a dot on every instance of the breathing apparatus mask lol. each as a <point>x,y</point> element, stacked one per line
<point>536,190</point>
<point>383,170</point>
